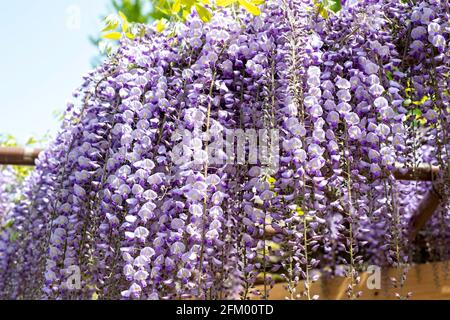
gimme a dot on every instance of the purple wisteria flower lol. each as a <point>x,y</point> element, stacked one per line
<point>130,192</point>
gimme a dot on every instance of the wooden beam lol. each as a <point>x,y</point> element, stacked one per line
<point>420,173</point>
<point>424,212</point>
<point>18,156</point>
<point>430,202</point>
<point>26,156</point>
<point>425,281</point>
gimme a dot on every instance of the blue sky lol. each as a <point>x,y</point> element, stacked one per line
<point>45,51</point>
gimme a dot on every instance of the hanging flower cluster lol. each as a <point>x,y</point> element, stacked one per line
<point>128,202</point>
<point>9,191</point>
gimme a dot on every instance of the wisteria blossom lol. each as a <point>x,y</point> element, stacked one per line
<point>128,192</point>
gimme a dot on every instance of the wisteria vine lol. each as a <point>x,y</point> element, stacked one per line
<point>128,197</point>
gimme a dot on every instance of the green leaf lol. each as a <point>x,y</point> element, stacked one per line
<point>130,36</point>
<point>421,101</point>
<point>8,224</point>
<point>111,21</point>
<point>188,3</point>
<point>185,14</point>
<point>389,75</point>
<point>14,236</point>
<point>31,141</point>
<point>142,32</point>
<point>225,3</point>
<point>163,11</point>
<point>113,35</point>
<point>271,180</point>
<point>176,7</point>
<point>125,24</point>
<point>110,26</point>
<point>204,13</point>
<point>250,7</point>
<point>8,141</point>
<point>332,5</point>
<point>322,10</point>
<point>161,25</point>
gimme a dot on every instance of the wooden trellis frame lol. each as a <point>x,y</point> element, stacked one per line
<point>18,156</point>
<point>27,156</point>
<point>427,281</point>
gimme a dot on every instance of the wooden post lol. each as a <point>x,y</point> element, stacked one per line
<point>18,156</point>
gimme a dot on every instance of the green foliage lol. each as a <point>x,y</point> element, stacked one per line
<point>414,114</point>
<point>136,10</point>
<point>8,224</point>
<point>203,13</point>
<point>332,5</point>
<point>115,21</point>
<point>128,12</point>
<point>161,25</point>
<point>7,140</point>
<point>14,236</point>
<point>250,5</point>
<point>324,7</point>
<point>124,14</point>
<point>178,10</point>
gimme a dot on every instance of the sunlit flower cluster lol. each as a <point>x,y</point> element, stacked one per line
<point>354,95</point>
